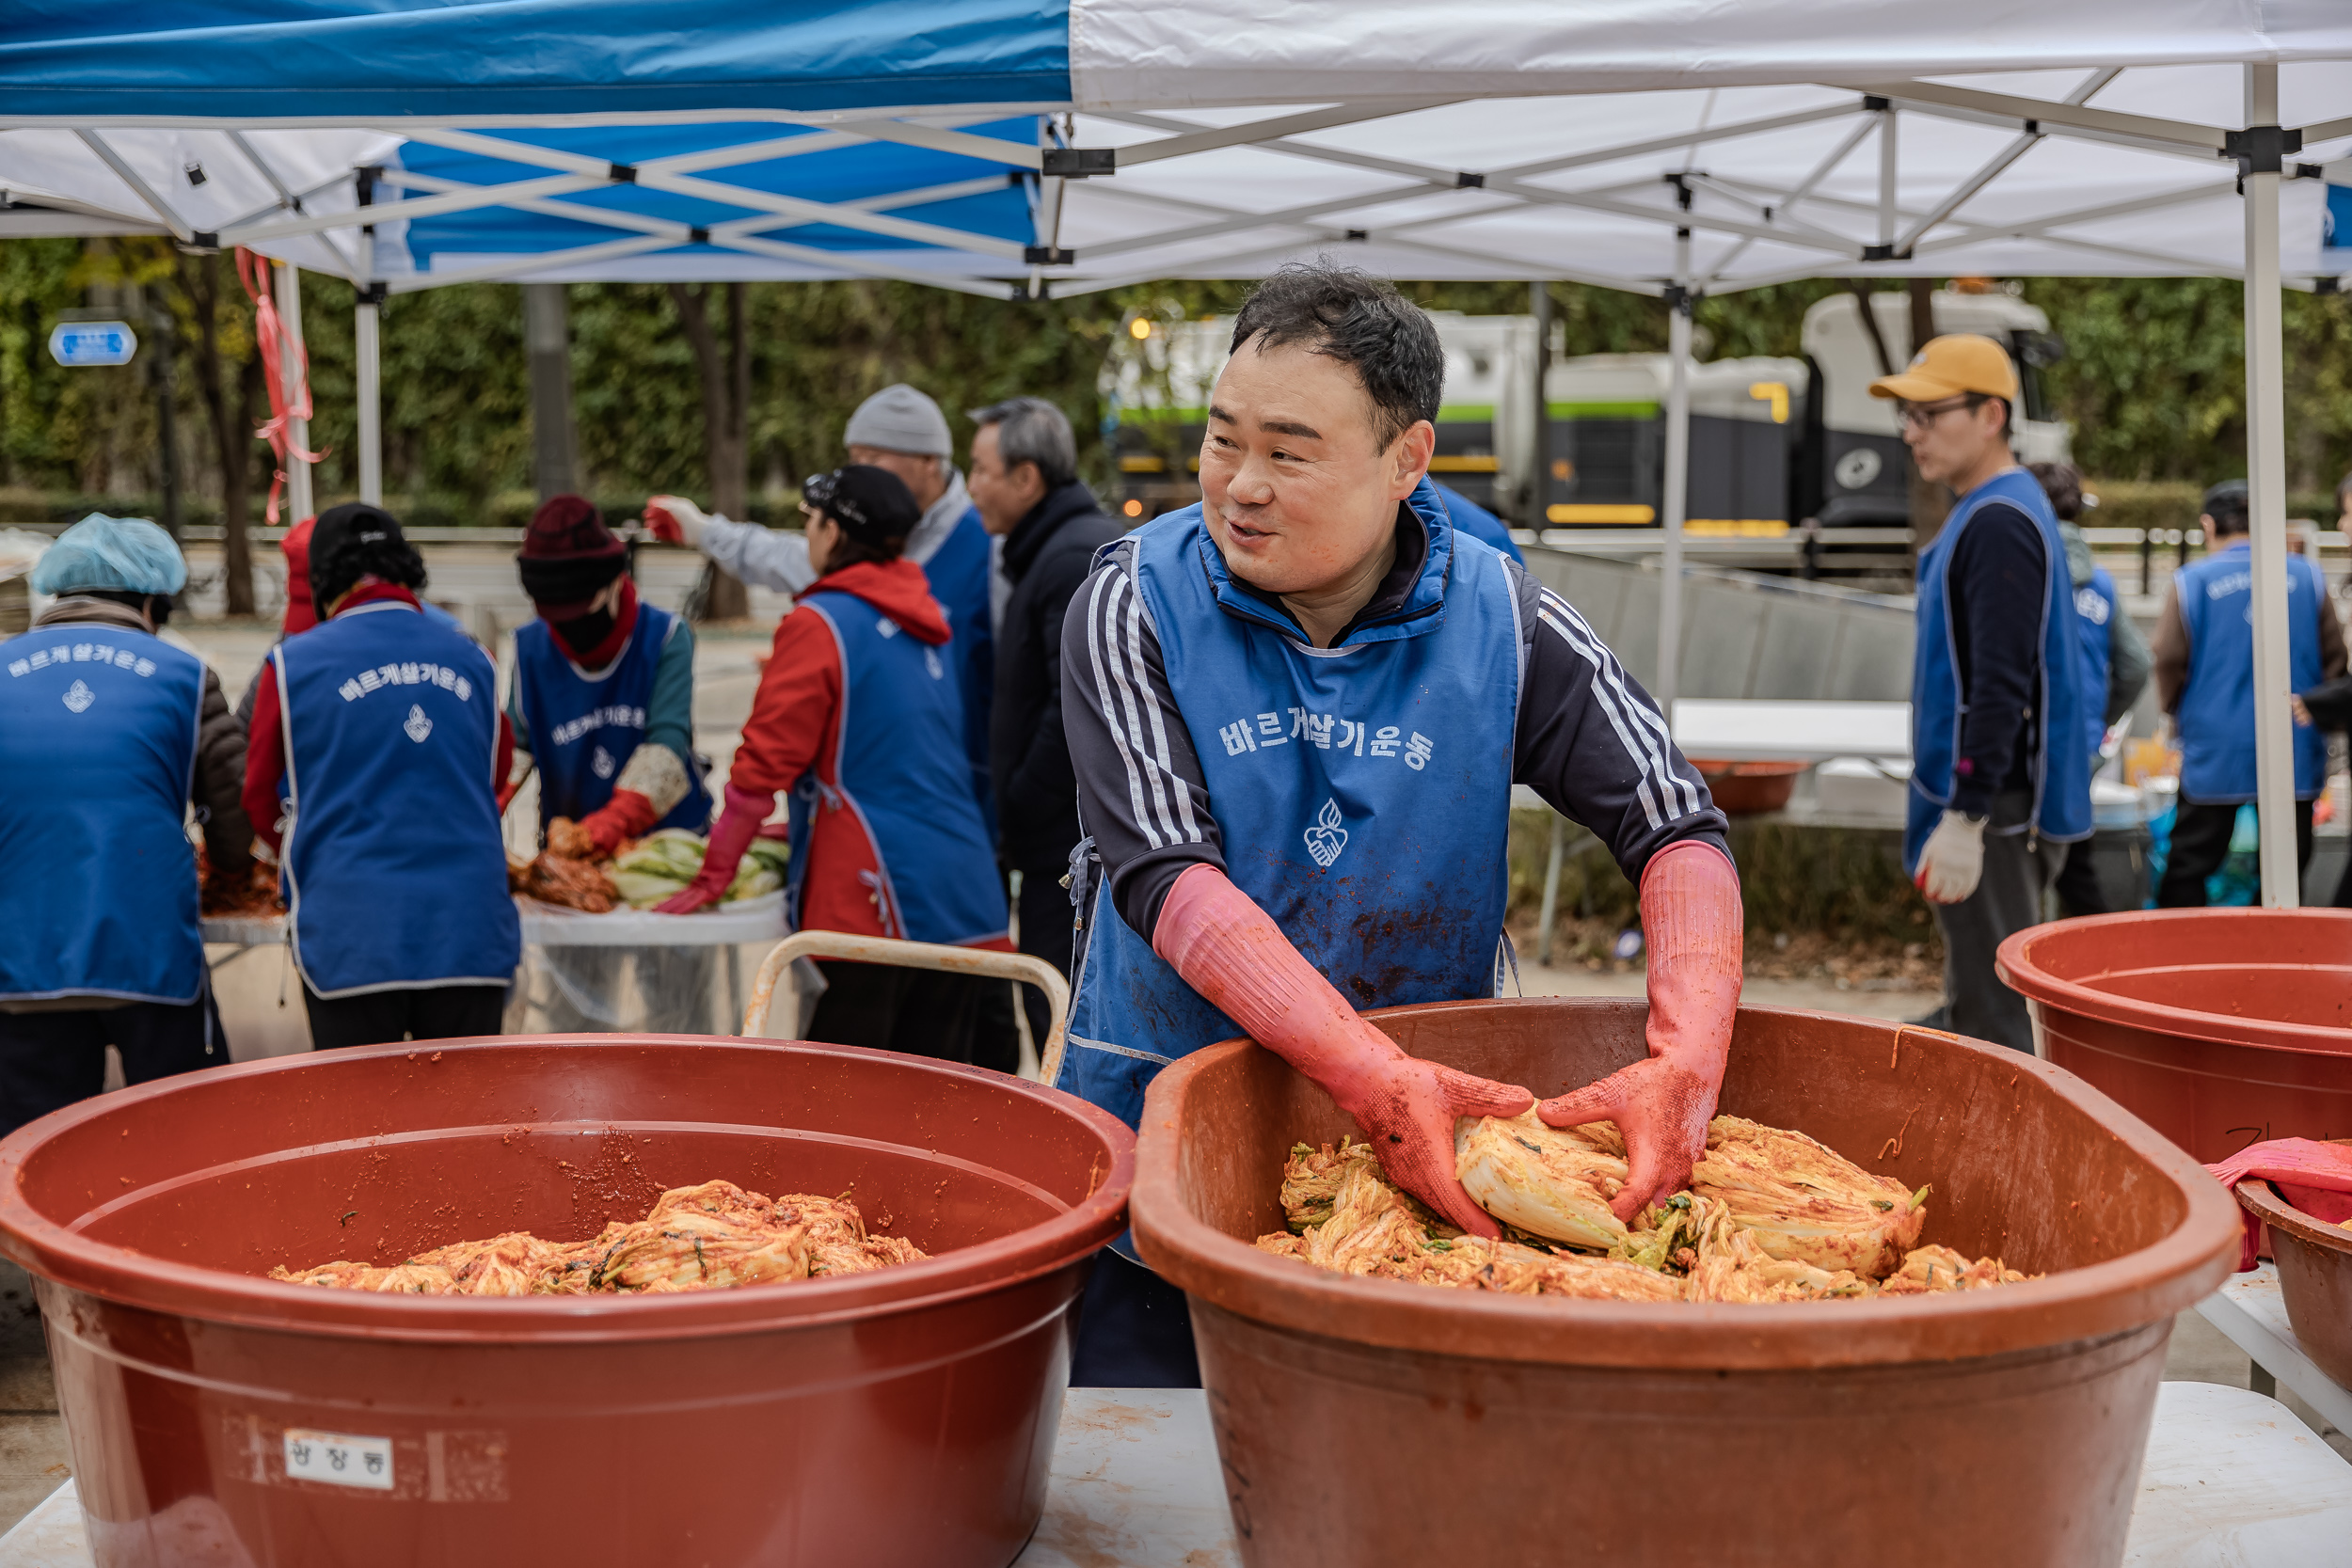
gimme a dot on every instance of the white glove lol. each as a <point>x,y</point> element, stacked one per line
<point>677,520</point>
<point>1953,860</point>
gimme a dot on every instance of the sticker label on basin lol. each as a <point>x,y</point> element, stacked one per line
<point>339,1459</point>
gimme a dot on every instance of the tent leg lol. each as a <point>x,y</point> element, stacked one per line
<point>1677,485</point>
<point>368,353</point>
<point>2265,468</point>
<point>298,500</point>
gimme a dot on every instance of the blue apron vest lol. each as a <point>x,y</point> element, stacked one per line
<point>98,734</point>
<point>584,728</point>
<point>2095,608</point>
<point>2216,717</point>
<point>1364,794</point>
<point>1470,517</point>
<point>2062,773</point>
<point>900,765</point>
<point>959,573</point>
<point>394,866</point>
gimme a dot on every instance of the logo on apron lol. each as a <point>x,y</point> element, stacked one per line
<point>78,696</point>
<point>1326,838</point>
<point>417,724</point>
<point>601,764</point>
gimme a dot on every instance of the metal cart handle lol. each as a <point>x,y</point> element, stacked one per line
<point>915,955</point>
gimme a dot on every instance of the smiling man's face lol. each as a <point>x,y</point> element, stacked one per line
<point>1293,485</point>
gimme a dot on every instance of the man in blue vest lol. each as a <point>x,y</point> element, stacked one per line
<point>2204,649</point>
<point>108,734</point>
<point>2115,665</point>
<point>1476,521</point>
<point>2000,779</point>
<point>902,432</point>
<point>1296,711</point>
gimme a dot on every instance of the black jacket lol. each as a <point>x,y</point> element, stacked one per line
<point>1047,557</point>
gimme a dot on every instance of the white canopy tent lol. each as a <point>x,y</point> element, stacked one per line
<point>1672,148</point>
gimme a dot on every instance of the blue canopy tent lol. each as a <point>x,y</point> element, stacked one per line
<point>965,143</point>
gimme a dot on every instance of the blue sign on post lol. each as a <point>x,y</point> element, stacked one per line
<point>75,344</point>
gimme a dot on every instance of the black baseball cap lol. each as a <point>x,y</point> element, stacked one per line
<point>873,506</point>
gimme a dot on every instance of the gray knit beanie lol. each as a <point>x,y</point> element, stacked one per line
<point>900,419</point>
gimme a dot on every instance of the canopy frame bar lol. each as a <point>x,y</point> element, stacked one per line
<point>139,187</point>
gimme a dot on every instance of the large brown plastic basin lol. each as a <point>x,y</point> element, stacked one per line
<point>2314,1261</point>
<point>904,1416</point>
<point>2219,1028</point>
<point>1370,1422</point>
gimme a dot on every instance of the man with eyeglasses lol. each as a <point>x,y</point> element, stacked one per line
<point>1996,679</point>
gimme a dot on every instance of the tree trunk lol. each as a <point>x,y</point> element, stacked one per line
<point>231,422</point>
<point>726,394</point>
<point>1929,502</point>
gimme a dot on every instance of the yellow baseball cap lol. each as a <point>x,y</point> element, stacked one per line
<point>1955,363</point>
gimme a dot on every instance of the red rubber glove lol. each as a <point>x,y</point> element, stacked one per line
<point>737,825</point>
<point>627,815</point>
<point>676,520</point>
<point>1230,950</point>
<point>1690,913</point>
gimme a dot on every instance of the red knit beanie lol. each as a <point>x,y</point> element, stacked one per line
<point>569,556</point>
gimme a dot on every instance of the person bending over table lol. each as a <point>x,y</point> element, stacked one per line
<point>859,716</point>
<point>382,722</point>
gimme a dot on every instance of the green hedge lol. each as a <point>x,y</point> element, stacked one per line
<point>1844,883</point>
<point>502,509</point>
<point>2172,503</point>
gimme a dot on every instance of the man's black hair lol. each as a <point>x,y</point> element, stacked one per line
<point>2063,482</point>
<point>1361,321</point>
<point>363,552</point>
<point>2227,505</point>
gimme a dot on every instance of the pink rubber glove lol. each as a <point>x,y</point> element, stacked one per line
<point>1230,950</point>
<point>737,825</point>
<point>1691,914</point>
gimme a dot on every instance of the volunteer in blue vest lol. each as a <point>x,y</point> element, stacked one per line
<point>1296,711</point>
<point>384,723</point>
<point>603,698</point>
<point>2204,648</point>
<point>2115,664</point>
<point>859,718</point>
<point>902,430</point>
<point>1476,521</point>
<point>108,735</point>
<point>2000,777</point>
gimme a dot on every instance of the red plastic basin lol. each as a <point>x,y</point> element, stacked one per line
<point>904,1416</point>
<point>2218,1027</point>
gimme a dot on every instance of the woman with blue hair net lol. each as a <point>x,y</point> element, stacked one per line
<point>107,734</point>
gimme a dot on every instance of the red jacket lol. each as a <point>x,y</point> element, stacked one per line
<point>795,726</point>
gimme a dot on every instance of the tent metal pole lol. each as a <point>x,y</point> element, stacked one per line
<point>369,355</point>
<point>290,370</point>
<point>2266,495</point>
<point>367,351</point>
<point>1890,215</point>
<point>1677,485</point>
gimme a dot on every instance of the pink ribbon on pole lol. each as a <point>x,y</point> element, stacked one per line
<point>285,404</point>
